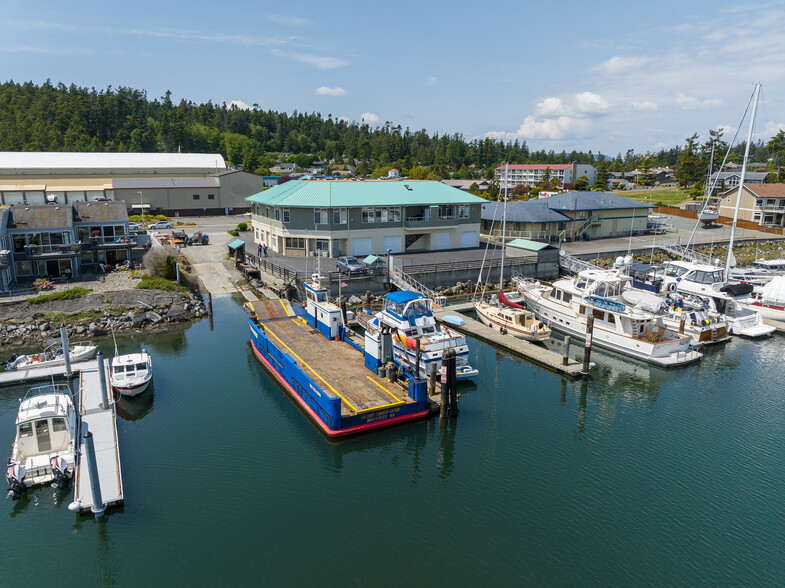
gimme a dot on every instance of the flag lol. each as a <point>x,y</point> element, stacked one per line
<point>344,284</point>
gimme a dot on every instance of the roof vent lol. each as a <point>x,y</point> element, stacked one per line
<point>408,187</point>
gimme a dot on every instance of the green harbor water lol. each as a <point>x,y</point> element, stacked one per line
<point>641,476</point>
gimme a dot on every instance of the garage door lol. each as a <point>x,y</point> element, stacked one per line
<point>361,246</point>
<point>468,238</point>
<point>442,240</point>
<point>393,243</point>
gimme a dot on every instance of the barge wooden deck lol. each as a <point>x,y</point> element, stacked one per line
<point>336,366</point>
<point>525,349</point>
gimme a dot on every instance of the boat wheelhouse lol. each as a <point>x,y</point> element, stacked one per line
<point>131,374</point>
<point>410,315</point>
<point>618,326</point>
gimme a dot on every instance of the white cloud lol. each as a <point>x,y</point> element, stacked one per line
<point>318,61</point>
<point>344,118</point>
<point>291,21</point>
<point>620,64</point>
<point>328,91</point>
<point>550,106</point>
<point>240,104</point>
<point>431,80</point>
<point>644,105</point>
<point>770,129</point>
<point>551,129</point>
<point>692,103</point>
<point>369,117</point>
<point>590,103</point>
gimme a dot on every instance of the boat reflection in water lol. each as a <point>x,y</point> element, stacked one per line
<point>134,408</point>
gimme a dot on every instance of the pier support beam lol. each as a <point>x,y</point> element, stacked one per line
<point>587,348</point>
<point>98,507</point>
<point>66,355</point>
<point>444,408</point>
<point>452,378</point>
<point>102,379</point>
<point>566,357</point>
<point>432,380</point>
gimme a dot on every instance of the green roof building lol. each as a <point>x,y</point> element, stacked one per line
<point>342,217</point>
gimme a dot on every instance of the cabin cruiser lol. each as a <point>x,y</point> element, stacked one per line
<point>708,215</point>
<point>708,283</point>
<point>131,373</point>
<point>45,446</point>
<point>52,355</point>
<point>511,318</point>
<point>704,325</point>
<point>410,317</point>
<point>761,271</point>
<point>618,326</point>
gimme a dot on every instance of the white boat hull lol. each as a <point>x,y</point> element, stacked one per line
<point>772,315</point>
<point>132,389</point>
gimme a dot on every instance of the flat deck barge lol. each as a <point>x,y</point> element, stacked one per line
<point>327,376</point>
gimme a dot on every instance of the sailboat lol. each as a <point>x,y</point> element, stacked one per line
<point>503,314</point>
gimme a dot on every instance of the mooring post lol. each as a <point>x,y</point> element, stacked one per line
<point>98,507</point>
<point>177,269</point>
<point>445,397</point>
<point>66,355</point>
<point>210,302</point>
<point>367,298</point>
<point>566,357</point>
<point>681,323</point>
<point>432,380</point>
<point>102,378</point>
<point>343,309</point>
<point>452,377</point>
<point>587,348</point>
<point>418,353</point>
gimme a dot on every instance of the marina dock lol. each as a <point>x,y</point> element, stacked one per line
<point>101,421</point>
<point>328,378</point>
<point>535,353</point>
<point>34,374</point>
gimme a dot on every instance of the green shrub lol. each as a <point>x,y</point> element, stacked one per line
<point>242,227</point>
<point>169,272</point>
<point>160,284</point>
<point>233,232</point>
<point>69,294</point>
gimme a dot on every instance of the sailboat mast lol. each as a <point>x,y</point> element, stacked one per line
<point>741,182</point>
<point>504,225</point>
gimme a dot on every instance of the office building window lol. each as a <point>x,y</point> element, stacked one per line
<point>196,196</point>
<point>211,196</point>
<point>320,216</point>
<point>339,216</point>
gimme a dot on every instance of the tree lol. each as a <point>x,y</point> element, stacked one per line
<point>521,191</point>
<point>601,181</point>
<point>688,165</point>
<point>776,148</point>
<point>581,183</point>
<point>169,272</point>
<point>474,189</point>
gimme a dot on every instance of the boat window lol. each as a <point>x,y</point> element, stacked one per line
<point>321,297</point>
<point>582,309</point>
<point>611,318</point>
<point>141,366</point>
<point>557,294</point>
<point>58,424</point>
<point>25,430</point>
<point>427,330</point>
<point>566,296</point>
<point>598,314</point>
<point>119,369</point>
<point>42,434</point>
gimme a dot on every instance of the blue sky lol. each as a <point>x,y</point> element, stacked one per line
<point>605,76</point>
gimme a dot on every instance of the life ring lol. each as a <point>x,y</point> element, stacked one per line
<point>672,287</point>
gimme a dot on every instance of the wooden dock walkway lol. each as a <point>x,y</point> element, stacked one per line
<point>102,423</point>
<point>34,374</point>
<point>535,353</point>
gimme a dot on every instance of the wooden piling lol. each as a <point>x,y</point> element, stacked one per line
<point>682,321</point>
<point>432,380</point>
<point>587,348</point>
<point>566,356</point>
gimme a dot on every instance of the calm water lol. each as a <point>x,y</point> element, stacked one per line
<point>643,476</point>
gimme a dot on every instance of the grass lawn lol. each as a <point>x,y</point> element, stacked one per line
<point>668,196</point>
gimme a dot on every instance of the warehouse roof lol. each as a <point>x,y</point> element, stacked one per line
<point>19,161</point>
<point>162,183</point>
<point>342,193</point>
<point>591,201</point>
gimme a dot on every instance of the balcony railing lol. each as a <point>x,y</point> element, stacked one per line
<point>60,249</point>
<point>119,241</point>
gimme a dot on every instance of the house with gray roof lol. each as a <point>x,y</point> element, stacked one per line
<point>344,217</point>
<point>727,180</point>
<point>567,216</point>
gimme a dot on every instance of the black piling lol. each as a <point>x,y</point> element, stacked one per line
<point>444,409</point>
<point>417,359</point>
<point>210,303</point>
<point>452,378</point>
<point>343,309</point>
<point>587,348</point>
<point>566,357</point>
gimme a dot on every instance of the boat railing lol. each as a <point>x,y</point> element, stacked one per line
<point>685,253</point>
<point>48,389</point>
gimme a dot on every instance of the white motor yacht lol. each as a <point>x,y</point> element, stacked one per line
<point>769,302</point>
<point>618,326</point>
<point>131,374</point>
<point>45,446</point>
<point>709,284</point>
<point>52,355</point>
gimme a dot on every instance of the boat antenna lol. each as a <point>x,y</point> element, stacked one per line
<point>111,327</point>
<point>756,94</point>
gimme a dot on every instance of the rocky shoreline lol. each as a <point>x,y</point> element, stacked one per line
<point>23,323</point>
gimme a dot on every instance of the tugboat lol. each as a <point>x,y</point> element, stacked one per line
<point>131,373</point>
<point>44,450</point>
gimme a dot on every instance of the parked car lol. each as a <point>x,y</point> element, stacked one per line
<point>351,266</point>
<point>161,225</point>
<point>136,227</point>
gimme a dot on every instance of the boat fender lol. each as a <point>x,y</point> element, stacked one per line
<point>502,330</point>
<point>672,287</point>
<point>534,329</point>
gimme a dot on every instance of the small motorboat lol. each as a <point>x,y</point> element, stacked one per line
<point>45,446</point>
<point>52,355</point>
<point>131,373</point>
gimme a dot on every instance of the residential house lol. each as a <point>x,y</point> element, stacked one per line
<point>730,179</point>
<point>343,217</point>
<point>763,204</point>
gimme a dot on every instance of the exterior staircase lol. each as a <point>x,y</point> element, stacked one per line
<point>406,282</point>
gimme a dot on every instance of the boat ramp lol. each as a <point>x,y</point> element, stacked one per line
<point>535,353</point>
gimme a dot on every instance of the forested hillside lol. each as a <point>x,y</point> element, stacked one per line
<point>71,118</point>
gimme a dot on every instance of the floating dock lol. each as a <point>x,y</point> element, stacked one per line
<point>101,421</point>
<point>535,353</point>
<point>33,374</point>
<point>328,378</point>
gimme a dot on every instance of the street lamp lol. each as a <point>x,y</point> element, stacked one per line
<point>141,204</point>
